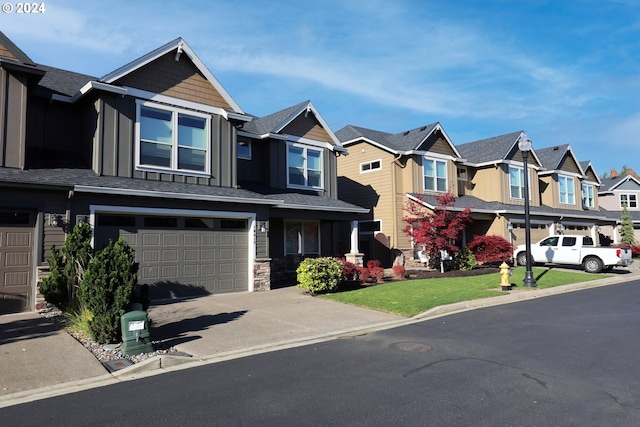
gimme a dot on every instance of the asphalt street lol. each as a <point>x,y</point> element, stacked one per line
<point>562,360</point>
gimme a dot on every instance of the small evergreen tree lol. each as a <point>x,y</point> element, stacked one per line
<point>54,287</point>
<point>78,253</point>
<point>626,230</point>
<point>106,287</point>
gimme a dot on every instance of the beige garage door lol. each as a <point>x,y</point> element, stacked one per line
<point>538,232</point>
<point>184,256</point>
<point>16,260</point>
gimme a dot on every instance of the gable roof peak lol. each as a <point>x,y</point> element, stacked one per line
<point>180,46</point>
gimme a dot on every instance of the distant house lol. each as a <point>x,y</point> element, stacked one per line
<point>487,176</point>
<point>158,153</point>
<point>384,171</point>
<point>616,193</point>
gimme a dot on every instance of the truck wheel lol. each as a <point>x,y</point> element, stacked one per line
<point>592,265</point>
<point>521,258</point>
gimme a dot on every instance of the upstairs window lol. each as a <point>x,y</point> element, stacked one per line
<point>435,175</point>
<point>172,139</point>
<point>304,166</point>
<point>567,196</point>
<point>516,182</point>
<point>588,200</point>
<point>628,200</point>
<point>373,165</point>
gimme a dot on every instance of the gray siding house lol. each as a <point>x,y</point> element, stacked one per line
<point>211,198</point>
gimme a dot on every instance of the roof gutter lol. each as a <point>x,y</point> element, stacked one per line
<point>181,196</point>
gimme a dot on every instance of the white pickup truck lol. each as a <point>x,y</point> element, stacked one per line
<point>575,250</point>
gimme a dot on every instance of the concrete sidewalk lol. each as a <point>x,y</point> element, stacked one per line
<point>37,360</point>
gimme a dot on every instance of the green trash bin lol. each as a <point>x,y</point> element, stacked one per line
<point>135,333</point>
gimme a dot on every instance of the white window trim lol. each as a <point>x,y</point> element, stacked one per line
<point>174,155</point>
<point>306,148</point>
<point>628,198</point>
<point>520,168</point>
<point>446,174</point>
<point>571,190</point>
<point>585,202</point>
<point>250,145</point>
<point>379,221</point>
<point>370,163</point>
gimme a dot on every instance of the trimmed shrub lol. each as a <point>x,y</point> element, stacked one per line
<point>489,249</point>
<point>106,289</point>
<point>635,250</point>
<point>319,275</point>
<point>399,271</point>
<point>364,273</point>
<point>464,260</point>
<point>349,270</point>
<point>374,263</point>
<point>377,273</point>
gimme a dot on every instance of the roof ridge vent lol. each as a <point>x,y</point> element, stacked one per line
<point>423,128</point>
<point>406,132</point>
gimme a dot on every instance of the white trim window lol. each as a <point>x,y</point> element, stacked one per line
<point>172,139</point>
<point>588,198</point>
<point>434,175</point>
<point>373,165</point>
<point>302,237</point>
<point>628,200</point>
<point>244,150</point>
<point>516,182</point>
<point>567,190</point>
<point>304,166</point>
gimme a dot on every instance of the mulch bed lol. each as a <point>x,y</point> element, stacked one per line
<point>434,274</point>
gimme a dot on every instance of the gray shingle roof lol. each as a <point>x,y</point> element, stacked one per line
<point>266,124</point>
<point>489,149</point>
<point>63,82</point>
<point>67,179</point>
<point>483,206</point>
<point>398,142</point>
<point>551,157</point>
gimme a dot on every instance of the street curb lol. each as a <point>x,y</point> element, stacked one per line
<point>170,363</point>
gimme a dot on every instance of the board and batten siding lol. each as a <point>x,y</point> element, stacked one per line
<point>115,145</point>
<point>13,118</point>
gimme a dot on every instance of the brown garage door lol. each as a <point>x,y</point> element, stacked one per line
<point>184,256</point>
<point>16,260</point>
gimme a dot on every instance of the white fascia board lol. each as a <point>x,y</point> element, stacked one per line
<point>313,142</point>
<point>181,47</point>
<point>310,108</point>
<point>119,90</point>
<point>196,106</point>
<point>322,208</point>
<point>167,195</point>
<point>262,136</point>
<point>446,137</point>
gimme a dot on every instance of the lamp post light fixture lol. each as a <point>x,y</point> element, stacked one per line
<point>524,144</point>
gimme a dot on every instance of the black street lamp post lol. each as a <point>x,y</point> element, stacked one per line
<point>524,144</point>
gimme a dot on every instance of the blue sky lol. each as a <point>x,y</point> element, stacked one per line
<point>565,71</point>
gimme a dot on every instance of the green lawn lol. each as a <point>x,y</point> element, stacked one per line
<point>410,297</point>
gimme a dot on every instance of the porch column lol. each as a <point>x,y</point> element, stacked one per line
<point>354,256</point>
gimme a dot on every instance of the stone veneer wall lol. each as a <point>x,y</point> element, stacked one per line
<point>262,274</point>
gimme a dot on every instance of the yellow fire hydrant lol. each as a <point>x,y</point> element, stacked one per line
<point>505,274</point>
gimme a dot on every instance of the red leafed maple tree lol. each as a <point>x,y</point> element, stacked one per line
<point>438,230</point>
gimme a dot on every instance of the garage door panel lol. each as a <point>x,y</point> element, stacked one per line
<point>170,255</point>
<point>16,261</point>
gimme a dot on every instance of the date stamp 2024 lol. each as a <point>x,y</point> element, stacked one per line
<point>23,8</point>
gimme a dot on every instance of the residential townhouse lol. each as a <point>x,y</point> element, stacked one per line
<point>158,153</point>
<point>613,195</point>
<point>383,170</point>
<point>487,176</point>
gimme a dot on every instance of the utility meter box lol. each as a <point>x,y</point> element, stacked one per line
<point>135,333</point>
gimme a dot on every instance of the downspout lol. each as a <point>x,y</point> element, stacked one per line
<point>394,207</point>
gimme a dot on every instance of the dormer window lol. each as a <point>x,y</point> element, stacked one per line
<point>567,191</point>
<point>304,166</point>
<point>435,175</point>
<point>172,139</point>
